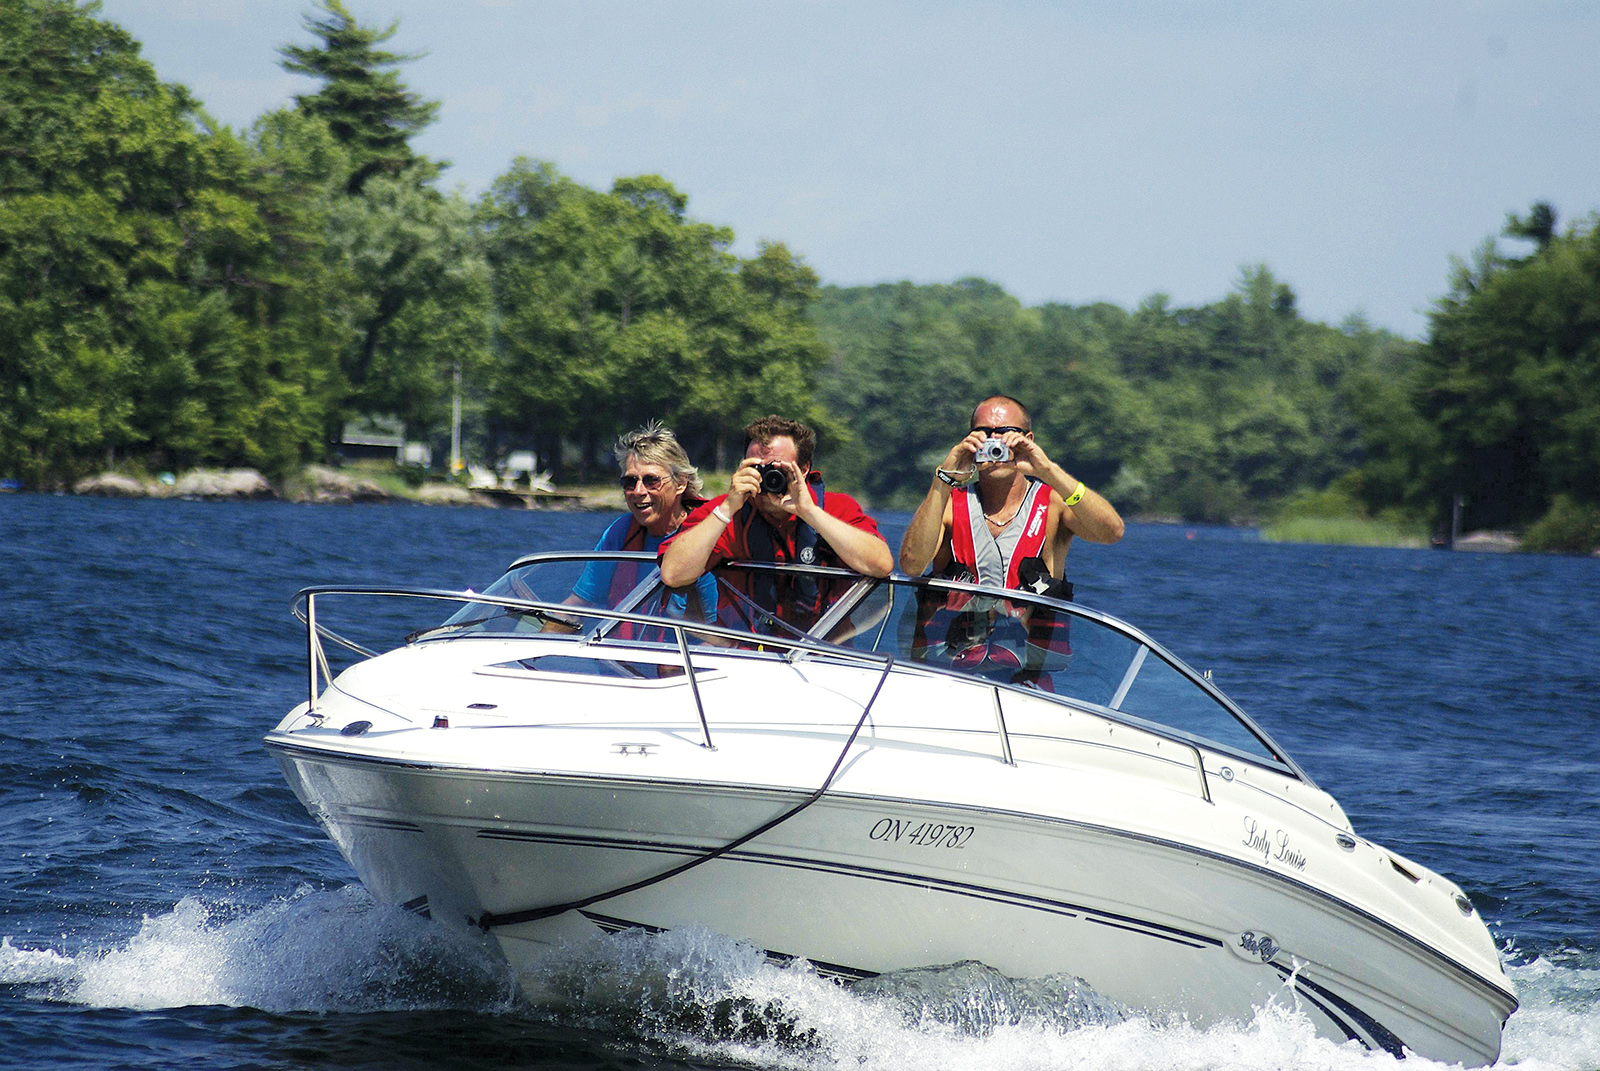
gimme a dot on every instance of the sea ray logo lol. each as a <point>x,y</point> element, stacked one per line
<point>1258,946</point>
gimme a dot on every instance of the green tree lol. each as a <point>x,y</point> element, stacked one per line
<point>1208,413</point>
<point>70,87</point>
<point>133,260</point>
<point>1089,414</point>
<point>907,364</point>
<point>615,308</point>
<point>1538,226</point>
<point>362,99</point>
<point>1510,380</point>
<point>407,286</point>
<point>163,281</point>
<point>760,352</point>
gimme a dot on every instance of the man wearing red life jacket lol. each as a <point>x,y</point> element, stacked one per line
<point>1005,517</point>
<point>801,523</point>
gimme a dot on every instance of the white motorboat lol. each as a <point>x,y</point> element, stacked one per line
<point>927,773</point>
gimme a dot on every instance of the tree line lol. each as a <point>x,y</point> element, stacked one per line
<point>175,293</point>
<point>1204,413</point>
<point>1242,408</point>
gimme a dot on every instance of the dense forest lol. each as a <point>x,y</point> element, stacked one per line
<point>175,293</point>
<point>1205,413</point>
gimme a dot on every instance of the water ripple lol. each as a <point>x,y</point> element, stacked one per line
<point>155,859</point>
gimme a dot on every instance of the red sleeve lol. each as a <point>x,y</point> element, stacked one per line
<point>724,548</point>
<point>850,512</point>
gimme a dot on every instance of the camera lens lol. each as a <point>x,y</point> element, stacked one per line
<point>774,481</point>
<point>994,450</point>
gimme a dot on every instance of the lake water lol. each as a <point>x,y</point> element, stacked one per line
<point>167,903</point>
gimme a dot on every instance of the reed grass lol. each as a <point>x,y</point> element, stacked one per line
<point>1346,531</point>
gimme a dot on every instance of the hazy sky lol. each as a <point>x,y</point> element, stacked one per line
<point>1068,151</point>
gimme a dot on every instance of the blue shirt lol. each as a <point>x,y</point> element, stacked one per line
<point>594,586</point>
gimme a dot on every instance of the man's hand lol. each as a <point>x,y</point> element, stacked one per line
<point>797,500</point>
<point>744,484</point>
<point>689,554</point>
<point>1028,455</point>
<point>963,456</point>
<point>1092,517</point>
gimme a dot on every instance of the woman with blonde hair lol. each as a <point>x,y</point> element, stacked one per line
<point>660,488</point>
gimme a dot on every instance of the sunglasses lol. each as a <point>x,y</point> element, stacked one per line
<point>1000,430</point>
<point>651,481</point>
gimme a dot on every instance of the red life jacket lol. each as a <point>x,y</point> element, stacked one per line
<point>940,619</point>
<point>625,577</point>
<point>965,529</point>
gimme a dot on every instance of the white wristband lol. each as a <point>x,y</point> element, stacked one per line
<point>725,518</point>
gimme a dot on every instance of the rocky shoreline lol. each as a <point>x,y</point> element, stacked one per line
<point>321,484</point>
<point>324,485</point>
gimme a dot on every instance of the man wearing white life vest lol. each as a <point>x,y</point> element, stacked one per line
<point>1006,521</point>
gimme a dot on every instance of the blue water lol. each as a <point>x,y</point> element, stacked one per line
<point>167,903</point>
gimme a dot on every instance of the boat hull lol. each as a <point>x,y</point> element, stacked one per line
<point>867,883</point>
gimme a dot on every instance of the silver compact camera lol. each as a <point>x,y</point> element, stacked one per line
<point>993,450</point>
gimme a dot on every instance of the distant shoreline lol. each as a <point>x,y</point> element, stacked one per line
<point>321,484</point>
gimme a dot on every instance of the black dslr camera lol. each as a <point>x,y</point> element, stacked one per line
<point>774,480</point>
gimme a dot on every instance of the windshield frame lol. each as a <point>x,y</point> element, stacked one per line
<point>1277,758</point>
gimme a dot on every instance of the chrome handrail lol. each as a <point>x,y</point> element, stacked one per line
<point>1200,680</point>
<point>315,632</point>
<point>1000,723</point>
<point>694,687</point>
<point>812,644</point>
<point>855,595</point>
<point>680,629</point>
<point>1200,765</point>
<point>314,654</point>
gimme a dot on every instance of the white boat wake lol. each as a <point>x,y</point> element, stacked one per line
<point>705,997</point>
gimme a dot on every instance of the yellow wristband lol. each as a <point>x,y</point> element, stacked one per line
<point>1077,496</point>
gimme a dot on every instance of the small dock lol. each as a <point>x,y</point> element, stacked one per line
<point>515,498</point>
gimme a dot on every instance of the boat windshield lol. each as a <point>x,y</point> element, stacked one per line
<point>1011,639</point>
<point>1047,647</point>
<point>784,604</point>
<point>606,581</point>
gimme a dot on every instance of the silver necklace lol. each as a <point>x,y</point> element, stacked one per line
<point>999,523</point>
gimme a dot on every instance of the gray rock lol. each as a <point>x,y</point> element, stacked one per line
<point>1489,542</point>
<point>217,483</point>
<point>331,485</point>
<point>111,485</point>
<point>446,494</point>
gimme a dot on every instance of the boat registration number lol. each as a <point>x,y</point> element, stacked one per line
<point>921,833</point>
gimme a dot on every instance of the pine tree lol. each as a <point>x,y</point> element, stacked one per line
<point>366,105</point>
